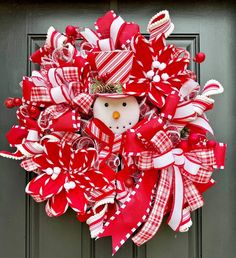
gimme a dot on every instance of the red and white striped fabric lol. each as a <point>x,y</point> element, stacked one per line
<point>25,140</point>
<point>186,222</point>
<point>160,24</point>
<point>202,104</point>
<point>55,39</point>
<point>212,87</point>
<point>156,215</point>
<point>116,64</point>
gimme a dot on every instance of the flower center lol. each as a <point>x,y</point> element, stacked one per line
<point>153,74</point>
<point>69,185</point>
<point>53,172</point>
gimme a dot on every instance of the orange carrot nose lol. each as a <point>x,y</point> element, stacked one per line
<point>116,114</point>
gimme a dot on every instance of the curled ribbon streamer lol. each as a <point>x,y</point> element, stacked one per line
<point>25,140</point>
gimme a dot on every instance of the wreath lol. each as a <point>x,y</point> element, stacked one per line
<point>114,126</point>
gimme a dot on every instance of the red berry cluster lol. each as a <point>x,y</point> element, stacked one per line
<point>12,102</point>
<point>104,77</point>
<point>195,141</point>
<point>34,112</point>
<point>129,181</point>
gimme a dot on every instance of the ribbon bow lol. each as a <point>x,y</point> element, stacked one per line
<point>59,85</point>
<point>176,161</point>
<point>112,32</point>
<point>179,172</point>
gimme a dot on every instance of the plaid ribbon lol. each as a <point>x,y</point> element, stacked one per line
<point>153,223</point>
<point>59,85</point>
<point>129,217</point>
<point>174,179</point>
<point>178,172</point>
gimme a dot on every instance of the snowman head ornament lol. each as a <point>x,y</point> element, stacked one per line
<point>118,112</point>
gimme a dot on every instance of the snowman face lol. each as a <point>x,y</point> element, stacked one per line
<point>118,114</point>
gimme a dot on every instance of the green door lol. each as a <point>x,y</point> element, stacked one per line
<point>25,230</point>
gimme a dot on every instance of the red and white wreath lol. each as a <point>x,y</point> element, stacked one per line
<point>114,127</point>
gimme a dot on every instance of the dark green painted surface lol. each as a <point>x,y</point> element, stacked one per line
<point>25,230</point>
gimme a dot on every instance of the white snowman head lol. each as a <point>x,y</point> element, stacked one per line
<point>118,114</point>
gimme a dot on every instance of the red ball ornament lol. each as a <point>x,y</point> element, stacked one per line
<point>71,31</point>
<point>184,145</point>
<point>133,167</point>
<point>9,103</point>
<point>82,217</point>
<point>34,112</point>
<point>129,182</point>
<point>199,58</point>
<point>17,102</point>
<point>194,138</point>
<point>211,144</point>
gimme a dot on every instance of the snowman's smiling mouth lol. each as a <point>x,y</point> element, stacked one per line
<point>118,127</point>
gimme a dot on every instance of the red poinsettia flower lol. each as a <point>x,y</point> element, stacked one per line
<point>67,178</point>
<point>158,69</point>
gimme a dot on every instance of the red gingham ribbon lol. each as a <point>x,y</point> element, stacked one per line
<point>175,179</point>
<point>59,85</point>
<point>153,223</point>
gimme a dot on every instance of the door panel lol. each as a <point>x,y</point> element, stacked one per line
<point>27,232</point>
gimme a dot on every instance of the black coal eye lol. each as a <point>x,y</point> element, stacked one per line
<point>124,104</point>
<point>106,104</point>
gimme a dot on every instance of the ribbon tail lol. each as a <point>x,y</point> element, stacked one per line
<point>134,212</point>
<point>16,155</point>
<point>192,195</point>
<point>155,218</point>
<point>176,214</point>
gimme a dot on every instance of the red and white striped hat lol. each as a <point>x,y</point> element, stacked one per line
<point>116,65</point>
